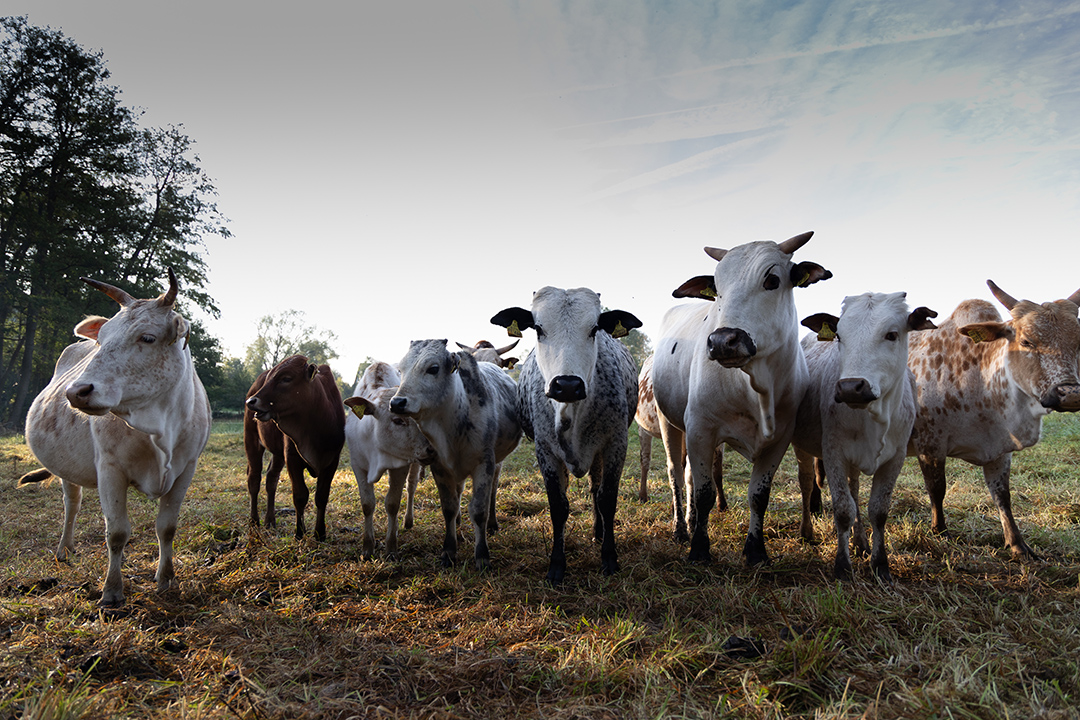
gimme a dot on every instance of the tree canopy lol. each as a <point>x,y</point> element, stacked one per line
<point>85,191</point>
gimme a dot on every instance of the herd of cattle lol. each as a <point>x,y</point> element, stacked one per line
<point>126,408</point>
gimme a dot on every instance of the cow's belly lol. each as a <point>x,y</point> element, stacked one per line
<point>974,438</point>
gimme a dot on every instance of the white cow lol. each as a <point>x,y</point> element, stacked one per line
<point>857,413</point>
<point>466,411</point>
<point>124,409</point>
<point>381,442</point>
<point>733,371</point>
<point>484,351</point>
<point>576,397</point>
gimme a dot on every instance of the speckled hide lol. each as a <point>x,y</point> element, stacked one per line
<point>984,386</point>
<point>466,411</point>
<point>576,398</point>
<point>124,409</point>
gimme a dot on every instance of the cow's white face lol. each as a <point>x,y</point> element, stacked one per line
<point>566,324</point>
<point>142,352</point>
<point>872,335</point>
<point>396,436</point>
<point>755,310</point>
<point>426,372</point>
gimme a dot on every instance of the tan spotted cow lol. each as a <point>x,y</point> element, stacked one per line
<point>984,386</point>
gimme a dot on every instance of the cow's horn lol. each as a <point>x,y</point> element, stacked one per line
<point>1003,297</point>
<point>169,298</point>
<point>1075,298</point>
<point>792,244</point>
<point>112,291</point>
<point>508,348</point>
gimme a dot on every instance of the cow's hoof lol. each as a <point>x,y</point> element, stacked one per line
<point>492,527</point>
<point>883,575</point>
<point>446,561</point>
<point>609,567</point>
<point>699,557</point>
<point>408,523</point>
<point>483,565</point>
<point>680,536</point>
<point>111,603</point>
<point>555,576</point>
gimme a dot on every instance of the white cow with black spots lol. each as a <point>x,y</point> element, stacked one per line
<point>576,398</point>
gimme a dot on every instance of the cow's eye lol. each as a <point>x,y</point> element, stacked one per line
<point>771,282</point>
<point>285,379</point>
<point>433,369</point>
<point>892,336</point>
<point>400,421</point>
<point>1025,343</point>
<point>539,331</point>
<point>592,333</point>
<point>148,339</point>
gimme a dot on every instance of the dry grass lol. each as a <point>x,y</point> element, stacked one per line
<point>266,627</point>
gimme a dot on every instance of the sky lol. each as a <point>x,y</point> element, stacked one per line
<point>404,170</point>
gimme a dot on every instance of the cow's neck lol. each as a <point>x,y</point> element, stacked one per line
<point>447,426</point>
<point>769,378</point>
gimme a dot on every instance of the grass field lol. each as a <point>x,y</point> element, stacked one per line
<point>267,627</point>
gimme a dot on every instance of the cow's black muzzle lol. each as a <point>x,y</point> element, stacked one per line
<point>731,347</point>
<point>854,391</point>
<point>566,389</point>
<point>1063,398</point>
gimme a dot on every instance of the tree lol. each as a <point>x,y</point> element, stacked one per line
<point>83,192</point>
<point>279,336</point>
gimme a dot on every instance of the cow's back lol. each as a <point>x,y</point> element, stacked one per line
<point>965,405</point>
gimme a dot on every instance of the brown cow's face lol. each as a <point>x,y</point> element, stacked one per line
<point>1043,350</point>
<point>287,388</point>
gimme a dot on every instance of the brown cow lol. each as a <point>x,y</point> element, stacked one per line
<point>485,351</point>
<point>983,388</point>
<point>294,410</point>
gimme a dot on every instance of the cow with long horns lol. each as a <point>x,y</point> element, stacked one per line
<point>984,387</point>
<point>124,409</point>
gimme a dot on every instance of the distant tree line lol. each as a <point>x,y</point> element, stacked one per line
<point>86,191</point>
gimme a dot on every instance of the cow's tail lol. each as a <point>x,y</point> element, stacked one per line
<point>35,476</point>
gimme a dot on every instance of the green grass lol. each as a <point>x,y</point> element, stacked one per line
<point>267,627</point>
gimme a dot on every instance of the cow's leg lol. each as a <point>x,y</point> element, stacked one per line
<point>450,501</point>
<point>254,451</point>
<point>996,473</point>
<point>483,486</point>
<point>322,498</point>
<point>933,472</point>
<point>645,441</point>
<point>72,503</point>
<point>858,530</point>
<point>414,476</point>
<point>844,510</point>
<point>675,449</point>
<point>273,474</point>
<point>765,466</point>
<point>596,477</point>
<point>367,506</point>
<point>556,480</point>
<point>606,500</point>
<point>165,525</point>
<point>700,451</point>
<point>295,466</point>
<point>807,484</point>
<point>492,521</point>
<point>877,509</point>
<point>718,478</point>
<point>398,478</point>
<point>112,492</point>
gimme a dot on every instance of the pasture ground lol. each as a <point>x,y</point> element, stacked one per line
<point>265,627</point>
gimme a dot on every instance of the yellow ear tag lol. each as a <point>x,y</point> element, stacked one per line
<point>357,410</point>
<point>826,334</point>
<point>708,293</point>
<point>619,330</point>
<point>457,364</point>
<point>977,335</point>
<point>513,330</point>
<point>804,282</point>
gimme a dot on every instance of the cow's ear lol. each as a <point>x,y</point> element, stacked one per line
<point>181,330</point>
<point>312,371</point>
<point>617,323</point>
<point>361,406</point>
<point>514,319</point>
<point>702,287</point>
<point>510,362</point>
<point>90,327</point>
<point>919,319</point>
<point>987,331</point>
<point>455,360</point>
<point>808,273</point>
<point>823,324</point>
